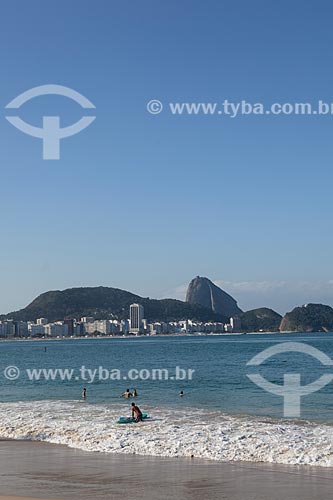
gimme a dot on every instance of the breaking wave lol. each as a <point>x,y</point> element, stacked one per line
<point>169,433</point>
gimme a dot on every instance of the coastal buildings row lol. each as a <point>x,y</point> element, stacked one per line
<point>89,326</point>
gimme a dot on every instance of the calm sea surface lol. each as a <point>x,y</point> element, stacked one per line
<point>219,382</point>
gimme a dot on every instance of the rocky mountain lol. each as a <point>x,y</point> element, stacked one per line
<point>108,303</point>
<point>203,291</point>
<point>308,318</point>
<point>262,319</point>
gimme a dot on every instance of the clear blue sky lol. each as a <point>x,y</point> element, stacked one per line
<point>147,202</point>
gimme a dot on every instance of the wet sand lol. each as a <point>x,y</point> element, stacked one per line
<point>17,498</point>
<point>41,470</point>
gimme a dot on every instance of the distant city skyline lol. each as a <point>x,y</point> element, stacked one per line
<point>146,202</point>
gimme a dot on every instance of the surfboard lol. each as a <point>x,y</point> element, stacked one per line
<point>130,420</point>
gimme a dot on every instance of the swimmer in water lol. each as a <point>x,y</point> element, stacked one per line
<point>84,393</point>
<point>135,394</point>
<point>181,394</point>
<point>127,394</point>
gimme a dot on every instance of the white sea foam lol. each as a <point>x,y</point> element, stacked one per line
<point>169,433</point>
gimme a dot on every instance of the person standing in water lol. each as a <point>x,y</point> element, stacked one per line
<point>137,412</point>
<point>181,394</point>
<point>84,393</point>
<point>135,394</point>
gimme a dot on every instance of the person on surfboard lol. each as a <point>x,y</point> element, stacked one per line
<point>137,412</point>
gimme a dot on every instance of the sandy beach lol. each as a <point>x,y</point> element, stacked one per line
<point>44,471</point>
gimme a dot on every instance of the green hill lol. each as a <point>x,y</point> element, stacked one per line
<point>261,319</point>
<point>308,318</point>
<point>107,303</point>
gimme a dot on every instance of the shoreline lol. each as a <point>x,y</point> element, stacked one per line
<point>171,335</point>
<point>93,429</point>
<point>47,471</point>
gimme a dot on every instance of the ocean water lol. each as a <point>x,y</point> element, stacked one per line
<point>223,415</point>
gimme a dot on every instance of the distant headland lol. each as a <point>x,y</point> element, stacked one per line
<point>205,304</point>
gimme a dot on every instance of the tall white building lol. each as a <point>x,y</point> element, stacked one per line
<point>136,318</point>
<point>236,324</point>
